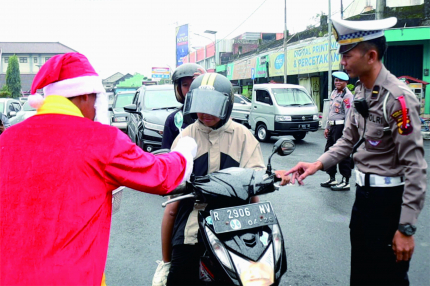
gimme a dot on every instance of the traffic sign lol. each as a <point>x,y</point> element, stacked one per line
<point>252,73</point>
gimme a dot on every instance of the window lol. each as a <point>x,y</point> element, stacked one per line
<point>22,59</point>
<point>123,99</point>
<point>6,60</point>
<point>17,106</point>
<point>47,59</point>
<point>263,96</point>
<point>291,97</point>
<point>35,60</point>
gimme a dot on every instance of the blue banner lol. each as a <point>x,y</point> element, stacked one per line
<point>181,43</point>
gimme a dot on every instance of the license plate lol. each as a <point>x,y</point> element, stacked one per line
<point>304,126</point>
<point>243,217</point>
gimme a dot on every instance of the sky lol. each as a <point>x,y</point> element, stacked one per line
<point>130,36</point>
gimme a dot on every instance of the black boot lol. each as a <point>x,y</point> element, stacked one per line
<point>342,186</point>
<point>331,182</point>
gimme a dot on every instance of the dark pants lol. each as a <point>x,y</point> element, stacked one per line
<point>374,220</point>
<point>184,268</point>
<point>335,132</point>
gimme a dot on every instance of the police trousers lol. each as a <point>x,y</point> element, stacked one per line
<point>335,132</point>
<point>374,220</point>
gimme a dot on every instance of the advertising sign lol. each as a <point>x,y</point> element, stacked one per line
<point>308,59</point>
<point>260,67</point>
<point>160,72</point>
<point>181,43</point>
<point>230,69</point>
<point>242,69</point>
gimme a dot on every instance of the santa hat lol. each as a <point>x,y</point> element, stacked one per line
<point>66,75</point>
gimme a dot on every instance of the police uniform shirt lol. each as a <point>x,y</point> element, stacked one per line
<point>397,151</point>
<point>340,104</point>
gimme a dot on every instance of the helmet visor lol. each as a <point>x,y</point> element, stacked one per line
<point>206,101</point>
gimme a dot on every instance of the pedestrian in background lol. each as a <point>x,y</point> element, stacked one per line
<point>340,104</point>
<point>384,132</point>
<point>59,168</point>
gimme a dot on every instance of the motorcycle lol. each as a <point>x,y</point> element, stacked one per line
<point>243,241</point>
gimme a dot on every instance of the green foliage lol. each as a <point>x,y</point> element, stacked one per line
<point>13,78</point>
<point>351,87</point>
<point>4,91</point>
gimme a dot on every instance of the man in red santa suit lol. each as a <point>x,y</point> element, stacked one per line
<point>58,171</point>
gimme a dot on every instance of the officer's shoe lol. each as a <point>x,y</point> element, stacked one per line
<point>329,183</point>
<point>342,186</point>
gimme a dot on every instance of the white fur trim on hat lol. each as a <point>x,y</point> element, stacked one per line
<point>75,86</point>
<point>36,100</point>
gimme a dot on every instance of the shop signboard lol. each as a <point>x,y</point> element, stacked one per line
<point>242,69</point>
<point>160,72</point>
<point>307,59</point>
<point>261,67</point>
<point>230,69</point>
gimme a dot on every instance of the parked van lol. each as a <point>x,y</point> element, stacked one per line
<point>282,109</point>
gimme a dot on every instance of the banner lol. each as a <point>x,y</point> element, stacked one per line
<point>308,59</point>
<point>260,67</point>
<point>242,69</point>
<point>160,72</point>
<point>230,69</point>
<point>181,43</point>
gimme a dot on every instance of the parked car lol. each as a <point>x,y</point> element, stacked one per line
<point>241,109</point>
<point>9,106</point>
<point>118,117</point>
<point>25,112</point>
<point>282,109</point>
<point>148,112</point>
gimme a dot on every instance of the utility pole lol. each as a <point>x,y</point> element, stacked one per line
<point>380,7</point>
<point>285,41</point>
<point>341,9</point>
<point>329,46</point>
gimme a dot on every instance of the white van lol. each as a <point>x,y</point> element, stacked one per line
<point>282,109</point>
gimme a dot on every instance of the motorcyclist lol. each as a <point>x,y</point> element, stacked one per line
<point>222,143</point>
<point>182,79</point>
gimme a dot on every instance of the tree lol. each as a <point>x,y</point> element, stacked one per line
<point>4,91</point>
<point>13,78</point>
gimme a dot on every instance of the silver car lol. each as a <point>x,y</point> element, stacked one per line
<point>9,106</point>
<point>25,112</point>
<point>241,109</point>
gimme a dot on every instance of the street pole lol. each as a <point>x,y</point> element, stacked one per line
<point>380,7</point>
<point>329,47</point>
<point>341,9</point>
<point>285,41</point>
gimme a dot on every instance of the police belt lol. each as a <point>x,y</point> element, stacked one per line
<point>371,180</point>
<point>336,122</point>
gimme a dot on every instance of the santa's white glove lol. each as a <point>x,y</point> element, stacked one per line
<point>187,147</point>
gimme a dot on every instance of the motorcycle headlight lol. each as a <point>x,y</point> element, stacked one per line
<point>279,118</point>
<point>219,249</point>
<point>277,242</point>
<point>315,117</point>
<point>256,273</point>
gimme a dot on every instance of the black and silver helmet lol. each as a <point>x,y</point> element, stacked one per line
<point>210,93</point>
<point>184,70</point>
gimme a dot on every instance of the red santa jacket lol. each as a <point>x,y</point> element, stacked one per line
<point>57,175</point>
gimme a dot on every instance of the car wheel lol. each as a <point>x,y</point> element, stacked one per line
<point>299,136</point>
<point>261,133</point>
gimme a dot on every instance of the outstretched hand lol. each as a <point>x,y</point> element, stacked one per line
<point>285,178</point>
<point>302,170</point>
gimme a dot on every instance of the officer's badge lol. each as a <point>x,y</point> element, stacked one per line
<point>403,124</point>
<point>347,102</point>
<point>374,143</point>
<point>375,92</point>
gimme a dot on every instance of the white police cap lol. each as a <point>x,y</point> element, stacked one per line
<point>349,33</point>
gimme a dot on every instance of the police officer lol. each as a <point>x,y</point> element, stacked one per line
<point>340,103</point>
<point>383,130</point>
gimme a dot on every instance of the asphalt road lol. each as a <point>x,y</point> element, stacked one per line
<point>314,222</point>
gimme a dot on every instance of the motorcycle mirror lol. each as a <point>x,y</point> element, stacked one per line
<point>284,147</point>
